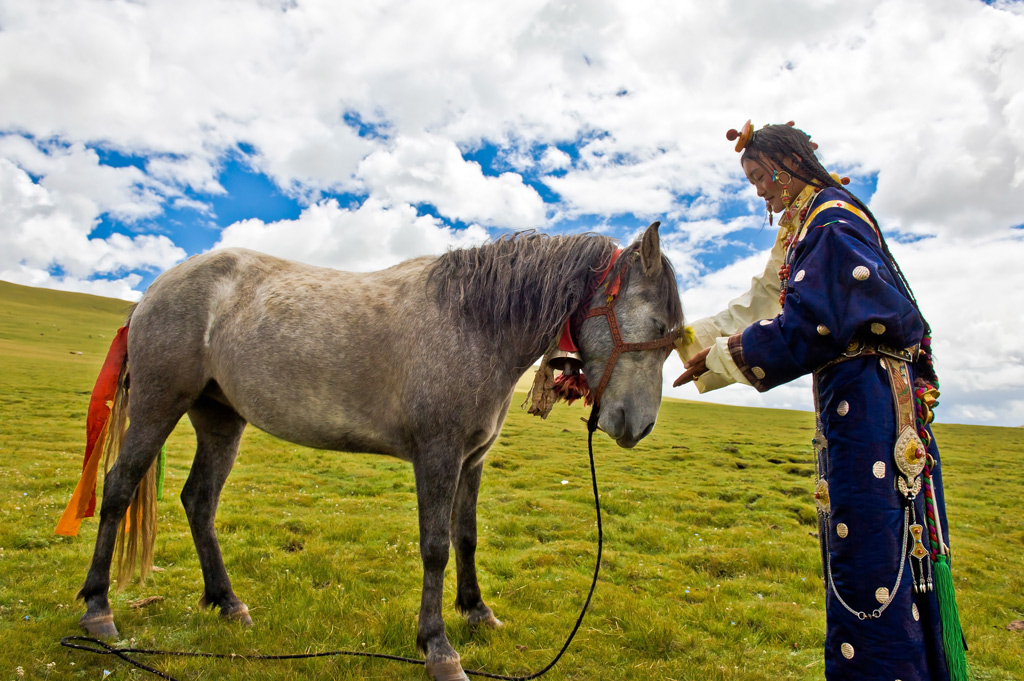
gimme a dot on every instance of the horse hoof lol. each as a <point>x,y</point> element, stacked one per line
<point>492,622</point>
<point>239,613</point>
<point>448,669</point>
<point>484,617</point>
<point>101,626</point>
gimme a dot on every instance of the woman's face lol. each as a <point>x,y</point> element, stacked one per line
<point>762,174</point>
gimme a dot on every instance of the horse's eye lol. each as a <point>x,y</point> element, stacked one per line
<point>660,326</point>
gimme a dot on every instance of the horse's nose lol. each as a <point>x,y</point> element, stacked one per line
<point>628,438</point>
<point>613,423</point>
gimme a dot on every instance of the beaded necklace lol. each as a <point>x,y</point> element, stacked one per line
<point>792,219</point>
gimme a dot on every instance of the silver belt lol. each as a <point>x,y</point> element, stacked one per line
<point>858,348</point>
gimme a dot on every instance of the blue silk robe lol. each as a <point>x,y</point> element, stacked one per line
<point>842,290</point>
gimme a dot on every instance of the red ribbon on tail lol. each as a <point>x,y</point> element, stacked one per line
<point>83,500</point>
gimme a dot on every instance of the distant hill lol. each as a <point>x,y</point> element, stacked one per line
<point>35,322</point>
<point>45,297</point>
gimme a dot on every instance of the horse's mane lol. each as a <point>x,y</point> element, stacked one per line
<point>530,279</point>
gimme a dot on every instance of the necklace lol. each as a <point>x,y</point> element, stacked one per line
<point>792,219</point>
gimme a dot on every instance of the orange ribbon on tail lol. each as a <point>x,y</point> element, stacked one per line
<point>83,501</point>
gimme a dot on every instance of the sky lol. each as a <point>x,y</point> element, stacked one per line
<point>134,134</point>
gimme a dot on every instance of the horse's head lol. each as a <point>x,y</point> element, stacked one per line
<point>625,373</point>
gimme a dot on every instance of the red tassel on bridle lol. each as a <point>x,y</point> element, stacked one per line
<point>572,387</point>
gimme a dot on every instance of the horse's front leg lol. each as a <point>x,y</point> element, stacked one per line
<point>468,600</point>
<point>437,478</point>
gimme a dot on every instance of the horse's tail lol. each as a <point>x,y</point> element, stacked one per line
<point>137,535</point>
<point>106,424</point>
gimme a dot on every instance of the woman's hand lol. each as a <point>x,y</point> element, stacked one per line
<point>695,366</point>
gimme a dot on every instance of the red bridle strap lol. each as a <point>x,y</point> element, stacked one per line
<point>565,341</point>
<point>619,346</point>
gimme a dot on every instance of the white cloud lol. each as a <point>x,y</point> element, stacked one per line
<point>653,86</point>
<point>554,158</point>
<point>969,290</point>
<point>46,225</point>
<point>706,295</point>
<point>644,187</point>
<point>75,173</point>
<point>190,172</point>
<point>368,238</point>
<point>431,170</point>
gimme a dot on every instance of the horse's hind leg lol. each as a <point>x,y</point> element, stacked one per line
<point>218,432</point>
<point>468,598</point>
<point>142,443</point>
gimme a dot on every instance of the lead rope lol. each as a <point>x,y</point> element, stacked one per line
<point>99,647</point>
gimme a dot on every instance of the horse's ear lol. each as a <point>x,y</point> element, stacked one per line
<point>650,250</point>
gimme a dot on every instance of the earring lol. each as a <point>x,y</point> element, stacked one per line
<point>771,218</point>
<point>776,175</point>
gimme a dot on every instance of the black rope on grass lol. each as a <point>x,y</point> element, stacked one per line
<point>101,648</point>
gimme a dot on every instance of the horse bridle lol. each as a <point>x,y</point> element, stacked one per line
<point>619,346</point>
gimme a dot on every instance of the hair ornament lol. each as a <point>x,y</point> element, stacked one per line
<point>814,145</point>
<point>742,136</point>
<point>840,180</point>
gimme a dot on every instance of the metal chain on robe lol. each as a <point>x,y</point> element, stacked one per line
<point>877,612</point>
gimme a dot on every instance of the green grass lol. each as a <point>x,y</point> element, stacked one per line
<point>711,569</point>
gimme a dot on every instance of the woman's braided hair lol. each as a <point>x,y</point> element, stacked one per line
<point>777,143</point>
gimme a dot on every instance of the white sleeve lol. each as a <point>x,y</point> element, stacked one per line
<point>760,302</point>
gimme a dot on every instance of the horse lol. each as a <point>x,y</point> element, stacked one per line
<point>418,361</point>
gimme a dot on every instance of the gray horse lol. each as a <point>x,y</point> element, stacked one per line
<point>418,361</point>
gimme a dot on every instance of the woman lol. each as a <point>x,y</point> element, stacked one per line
<point>833,303</point>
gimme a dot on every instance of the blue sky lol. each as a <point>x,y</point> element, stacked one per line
<point>355,136</point>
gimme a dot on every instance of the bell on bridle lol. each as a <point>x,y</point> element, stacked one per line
<point>565,361</point>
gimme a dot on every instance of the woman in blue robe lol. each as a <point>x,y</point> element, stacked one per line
<point>833,303</point>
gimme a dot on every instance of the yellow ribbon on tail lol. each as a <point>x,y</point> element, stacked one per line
<point>83,500</point>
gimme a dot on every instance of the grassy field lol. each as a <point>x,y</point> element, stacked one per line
<point>711,567</point>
